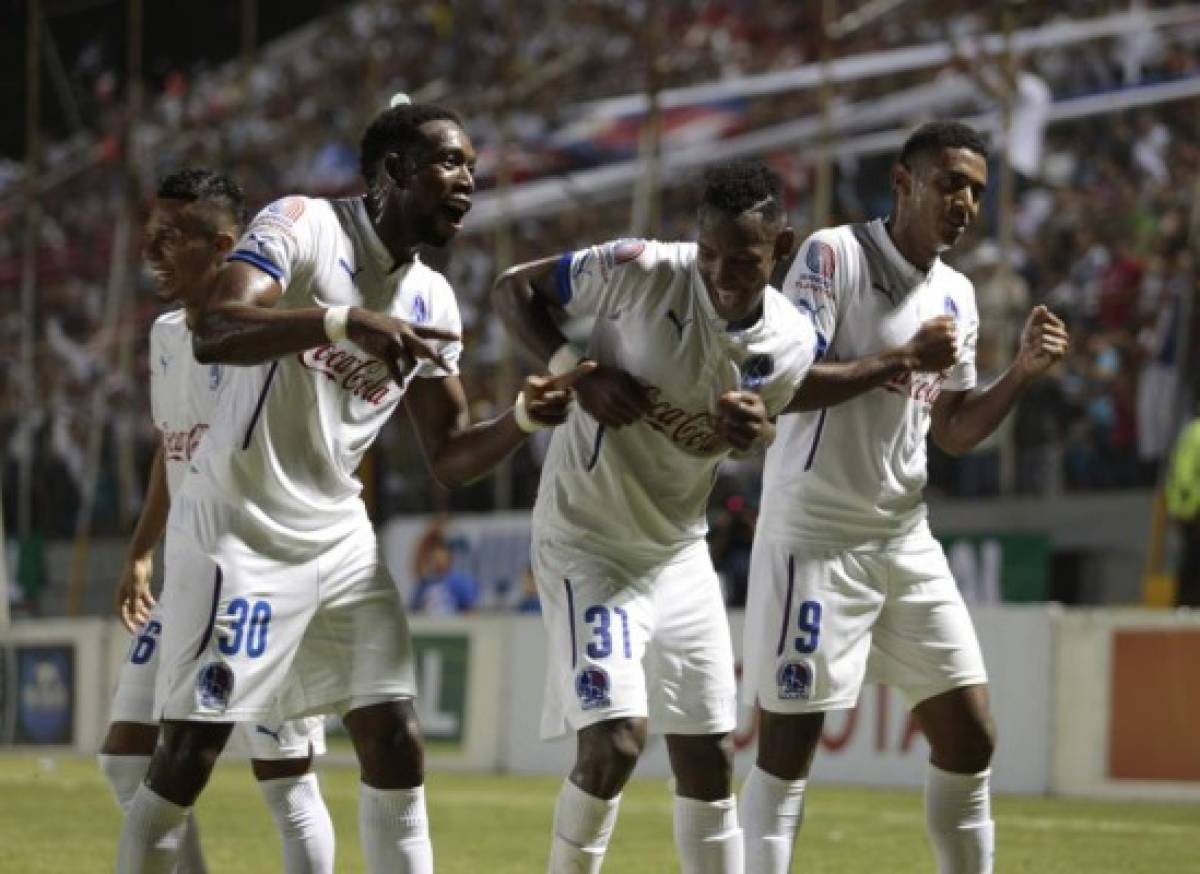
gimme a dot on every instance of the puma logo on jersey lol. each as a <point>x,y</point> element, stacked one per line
<point>923,388</point>
<point>351,272</point>
<point>262,729</point>
<point>679,323</point>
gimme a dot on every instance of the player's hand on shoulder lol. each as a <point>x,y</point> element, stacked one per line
<point>934,348</point>
<point>612,396</point>
<point>395,342</point>
<point>1044,341</point>
<point>741,420</point>
<point>548,398</point>
<point>133,599</point>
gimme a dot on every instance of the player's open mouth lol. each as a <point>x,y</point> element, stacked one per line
<point>456,211</point>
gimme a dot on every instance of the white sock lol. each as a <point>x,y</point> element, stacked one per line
<point>124,774</point>
<point>151,835</point>
<point>394,830</point>
<point>958,814</point>
<point>303,822</point>
<point>771,811</point>
<point>583,824</point>
<point>707,836</point>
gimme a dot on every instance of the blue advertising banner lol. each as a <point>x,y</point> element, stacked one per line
<point>45,694</point>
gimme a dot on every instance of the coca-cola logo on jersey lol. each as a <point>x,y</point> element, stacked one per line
<point>691,432</point>
<point>921,387</point>
<point>360,374</point>
<point>182,445</point>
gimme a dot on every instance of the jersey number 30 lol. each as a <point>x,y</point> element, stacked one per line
<point>258,618</point>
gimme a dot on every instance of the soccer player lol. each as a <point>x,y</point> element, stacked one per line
<point>846,580</point>
<point>283,603</point>
<point>695,352</point>
<point>195,221</point>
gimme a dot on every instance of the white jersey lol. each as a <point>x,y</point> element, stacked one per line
<point>286,453</point>
<point>183,393</point>
<point>855,471</point>
<point>641,491</point>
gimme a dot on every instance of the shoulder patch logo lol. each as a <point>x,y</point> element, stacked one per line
<point>819,260</point>
<point>214,377</point>
<point>756,370</point>
<point>950,307</point>
<point>290,208</point>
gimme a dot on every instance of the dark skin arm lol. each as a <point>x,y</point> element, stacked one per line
<point>133,598</point>
<point>934,348</point>
<point>240,325</point>
<point>459,452</point>
<point>962,419</point>
<point>524,297</point>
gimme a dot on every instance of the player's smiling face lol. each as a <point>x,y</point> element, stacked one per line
<point>438,195</point>
<point>735,255</point>
<point>941,195</point>
<point>183,245</point>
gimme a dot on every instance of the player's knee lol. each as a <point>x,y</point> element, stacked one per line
<point>703,765</point>
<point>387,740</point>
<point>185,758</point>
<point>608,753</point>
<point>980,743</point>
<point>787,743</point>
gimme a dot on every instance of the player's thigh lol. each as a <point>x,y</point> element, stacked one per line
<point>133,698</point>
<point>358,648</point>
<point>598,622</point>
<point>689,662</point>
<point>925,642</point>
<point>809,619</point>
<point>232,623</point>
<point>290,740</point>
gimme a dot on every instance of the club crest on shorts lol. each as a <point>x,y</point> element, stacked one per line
<point>756,370</point>
<point>592,685</point>
<point>214,686</point>
<point>794,680</point>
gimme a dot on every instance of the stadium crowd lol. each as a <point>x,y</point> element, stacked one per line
<point>1101,226</point>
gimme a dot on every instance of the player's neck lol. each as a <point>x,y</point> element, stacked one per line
<point>902,237</point>
<point>393,232</point>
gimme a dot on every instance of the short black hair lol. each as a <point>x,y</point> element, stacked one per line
<point>199,184</point>
<point>398,130</point>
<point>933,136</point>
<point>735,187</point>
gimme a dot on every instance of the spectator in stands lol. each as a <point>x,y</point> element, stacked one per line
<point>441,589</point>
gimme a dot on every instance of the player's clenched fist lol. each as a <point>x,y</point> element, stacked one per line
<point>741,420</point>
<point>1044,341</point>
<point>935,346</point>
<point>395,342</point>
<point>133,599</point>
<point>548,398</point>
<point>612,397</point>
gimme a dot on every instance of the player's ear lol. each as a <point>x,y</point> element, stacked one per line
<point>398,168</point>
<point>223,242</point>
<point>901,179</point>
<point>785,241</point>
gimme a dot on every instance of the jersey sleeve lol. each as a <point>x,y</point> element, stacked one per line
<point>816,283</point>
<point>443,313</point>
<point>280,240</point>
<point>593,281</point>
<point>962,376</point>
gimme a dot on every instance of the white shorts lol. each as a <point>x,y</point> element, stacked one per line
<point>249,638</point>
<point>612,635</point>
<point>819,621</point>
<point>133,701</point>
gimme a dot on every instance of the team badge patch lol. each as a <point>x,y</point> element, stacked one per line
<point>214,377</point>
<point>756,370</point>
<point>819,260</point>
<point>619,252</point>
<point>214,686</point>
<point>290,208</point>
<point>420,311</point>
<point>592,686</point>
<point>951,307</point>
<point>794,680</point>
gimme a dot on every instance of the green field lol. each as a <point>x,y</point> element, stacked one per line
<point>56,816</point>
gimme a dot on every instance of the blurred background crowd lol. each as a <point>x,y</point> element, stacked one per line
<point>1100,218</point>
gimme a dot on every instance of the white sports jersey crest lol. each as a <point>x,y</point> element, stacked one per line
<point>642,490</point>
<point>287,452</point>
<point>183,393</point>
<point>855,471</point>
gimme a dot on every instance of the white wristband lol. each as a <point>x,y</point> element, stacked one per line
<point>524,421</point>
<point>337,319</point>
<point>565,358</point>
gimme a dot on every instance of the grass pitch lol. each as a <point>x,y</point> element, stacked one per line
<point>56,815</point>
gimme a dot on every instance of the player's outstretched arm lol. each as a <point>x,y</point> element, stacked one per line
<point>133,598</point>
<point>458,451</point>
<point>828,384</point>
<point>241,325</point>
<point>961,420</point>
